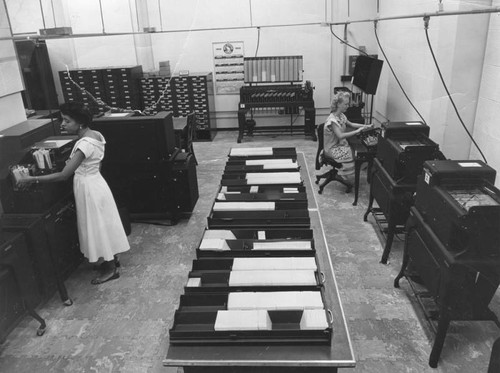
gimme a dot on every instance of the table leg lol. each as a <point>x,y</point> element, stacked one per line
<point>370,204</point>
<point>391,230</point>
<point>241,124</point>
<point>369,171</point>
<point>357,171</point>
<point>443,323</point>
<point>404,264</point>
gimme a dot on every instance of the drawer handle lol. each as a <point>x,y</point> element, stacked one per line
<point>323,279</point>
<point>7,248</point>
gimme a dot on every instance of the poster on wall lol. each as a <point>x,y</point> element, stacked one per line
<point>228,67</point>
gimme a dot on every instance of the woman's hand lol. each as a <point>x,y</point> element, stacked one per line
<point>23,181</point>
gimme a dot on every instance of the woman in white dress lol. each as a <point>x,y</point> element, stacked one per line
<point>100,229</point>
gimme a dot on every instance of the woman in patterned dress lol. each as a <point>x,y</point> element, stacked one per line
<point>100,229</point>
<point>336,134</point>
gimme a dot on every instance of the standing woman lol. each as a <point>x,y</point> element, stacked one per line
<point>100,229</point>
<point>336,134</point>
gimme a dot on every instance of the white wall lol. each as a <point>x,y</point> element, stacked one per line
<point>487,122</point>
<point>459,43</point>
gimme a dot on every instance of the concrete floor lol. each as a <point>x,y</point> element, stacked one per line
<point>122,325</point>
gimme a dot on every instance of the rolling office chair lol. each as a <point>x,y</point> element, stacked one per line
<point>322,160</point>
<point>188,135</point>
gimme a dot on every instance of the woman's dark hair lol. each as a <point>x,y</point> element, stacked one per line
<point>78,112</point>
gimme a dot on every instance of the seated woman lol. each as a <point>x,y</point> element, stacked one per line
<point>336,135</point>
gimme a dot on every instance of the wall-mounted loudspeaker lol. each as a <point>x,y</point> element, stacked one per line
<point>367,73</point>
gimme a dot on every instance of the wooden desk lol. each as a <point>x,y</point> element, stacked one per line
<point>280,358</point>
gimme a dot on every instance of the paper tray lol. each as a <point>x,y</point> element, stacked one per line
<point>259,219</point>
<point>194,328</point>
<point>219,282</point>
<point>263,248</point>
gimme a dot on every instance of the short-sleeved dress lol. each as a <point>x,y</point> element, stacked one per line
<point>335,148</point>
<point>100,229</point>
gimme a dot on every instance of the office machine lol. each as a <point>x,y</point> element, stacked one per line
<point>394,198</point>
<point>459,202</point>
<point>59,148</point>
<point>408,129</point>
<point>138,162</point>
<point>369,138</point>
<point>286,99</point>
<point>274,84</point>
<point>403,147</point>
<point>136,139</point>
<point>403,156</point>
<point>16,145</point>
<point>461,286</point>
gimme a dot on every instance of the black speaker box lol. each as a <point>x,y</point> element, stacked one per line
<point>367,73</point>
<point>185,182</point>
<point>40,93</point>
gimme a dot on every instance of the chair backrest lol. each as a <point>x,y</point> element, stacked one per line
<point>319,132</point>
<point>322,160</point>
<point>191,127</point>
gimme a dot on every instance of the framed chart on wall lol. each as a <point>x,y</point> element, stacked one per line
<point>228,67</point>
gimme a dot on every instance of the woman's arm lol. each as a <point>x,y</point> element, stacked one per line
<point>67,171</point>
<point>357,125</point>
<point>344,135</point>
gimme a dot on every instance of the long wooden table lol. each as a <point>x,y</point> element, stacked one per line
<point>280,358</point>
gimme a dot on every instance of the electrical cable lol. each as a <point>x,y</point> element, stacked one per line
<point>159,12</point>
<point>43,16</point>
<point>250,8</point>
<point>426,26</point>
<point>394,74</point>
<point>345,42</point>
<point>102,17</point>
<point>137,16</point>
<point>258,41</point>
<point>53,13</point>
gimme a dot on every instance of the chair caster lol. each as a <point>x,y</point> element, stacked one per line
<point>68,302</point>
<point>317,180</point>
<point>320,191</point>
<point>41,331</point>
